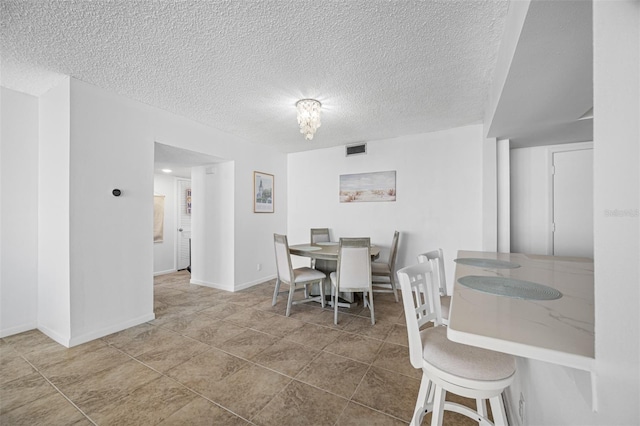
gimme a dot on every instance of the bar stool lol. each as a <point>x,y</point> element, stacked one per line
<point>448,366</point>
<point>445,298</point>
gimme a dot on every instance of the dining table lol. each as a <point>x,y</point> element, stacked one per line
<point>534,306</point>
<point>325,254</point>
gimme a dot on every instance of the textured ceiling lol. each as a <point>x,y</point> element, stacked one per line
<point>179,161</point>
<point>380,68</point>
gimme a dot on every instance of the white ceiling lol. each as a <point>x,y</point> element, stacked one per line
<point>381,69</point>
<point>549,86</point>
<point>179,161</point>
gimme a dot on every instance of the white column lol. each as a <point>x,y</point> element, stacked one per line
<point>504,198</point>
<point>489,196</point>
<point>616,141</point>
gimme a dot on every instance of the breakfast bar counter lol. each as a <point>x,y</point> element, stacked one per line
<point>538,307</point>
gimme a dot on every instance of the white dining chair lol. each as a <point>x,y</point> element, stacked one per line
<point>319,235</point>
<point>448,366</point>
<point>353,273</point>
<point>303,276</point>
<point>445,297</point>
<point>384,277</point>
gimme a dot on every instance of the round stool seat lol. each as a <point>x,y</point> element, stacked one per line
<point>467,362</point>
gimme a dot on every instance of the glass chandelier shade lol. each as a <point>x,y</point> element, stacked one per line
<point>308,116</point>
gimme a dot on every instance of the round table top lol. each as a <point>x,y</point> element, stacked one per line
<point>326,251</point>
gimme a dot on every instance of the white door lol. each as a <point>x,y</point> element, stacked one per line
<point>184,224</point>
<point>573,203</point>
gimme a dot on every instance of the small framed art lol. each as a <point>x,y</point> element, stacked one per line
<point>263,185</point>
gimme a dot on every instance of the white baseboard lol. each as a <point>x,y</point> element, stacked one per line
<point>18,329</point>
<point>168,271</point>
<point>84,338</point>
<point>236,288</point>
<point>209,284</point>
<point>78,340</point>
<point>63,340</point>
<point>252,283</point>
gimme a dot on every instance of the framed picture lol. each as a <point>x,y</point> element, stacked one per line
<point>363,187</point>
<point>262,192</point>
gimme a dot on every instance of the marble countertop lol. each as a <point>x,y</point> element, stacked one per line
<point>559,331</point>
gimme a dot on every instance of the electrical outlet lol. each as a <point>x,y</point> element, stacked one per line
<point>521,408</point>
<point>259,267</point>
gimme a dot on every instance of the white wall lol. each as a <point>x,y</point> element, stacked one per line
<point>252,232</point>
<point>18,212</point>
<point>530,202</point>
<point>617,186</point>
<point>164,253</point>
<point>439,178</point>
<point>213,224</point>
<point>490,195</point>
<point>111,245</point>
<point>557,395</point>
<point>113,141</point>
<point>531,192</point>
<point>54,263</point>
<point>95,251</point>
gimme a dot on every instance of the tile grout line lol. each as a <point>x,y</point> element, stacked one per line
<point>343,334</point>
<point>58,390</point>
<point>292,378</point>
<point>180,383</point>
<point>295,377</point>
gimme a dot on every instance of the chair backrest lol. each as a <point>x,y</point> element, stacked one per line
<point>421,303</point>
<point>393,252</point>
<point>438,257</point>
<point>354,264</point>
<point>283,258</point>
<point>320,235</point>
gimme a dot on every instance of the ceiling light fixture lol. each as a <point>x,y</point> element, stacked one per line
<point>308,117</point>
<point>167,170</point>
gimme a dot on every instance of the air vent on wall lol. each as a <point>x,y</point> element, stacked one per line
<point>361,148</point>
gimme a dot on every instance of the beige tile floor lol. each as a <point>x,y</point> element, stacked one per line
<point>217,358</point>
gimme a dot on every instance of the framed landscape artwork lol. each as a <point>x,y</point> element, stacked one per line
<point>262,192</point>
<point>366,187</point>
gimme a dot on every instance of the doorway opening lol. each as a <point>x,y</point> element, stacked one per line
<point>173,168</point>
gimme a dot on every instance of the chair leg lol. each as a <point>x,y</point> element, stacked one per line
<point>373,317</point>
<point>438,406</point>
<point>392,280</point>
<point>497,409</point>
<point>290,300</point>
<point>275,292</point>
<point>481,407</point>
<point>335,304</point>
<point>321,285</point>
<point>422,403</point>
<point>430,396</point>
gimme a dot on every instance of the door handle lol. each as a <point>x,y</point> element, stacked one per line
<point>180,229</point>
